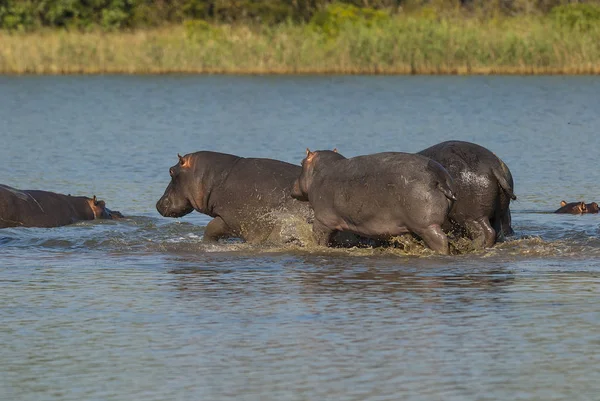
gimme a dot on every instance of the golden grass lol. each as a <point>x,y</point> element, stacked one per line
<point>402,45</point>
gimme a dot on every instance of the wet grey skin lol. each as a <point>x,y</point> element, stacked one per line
<point>484,189</point>
<point>376,196</point>
<point>35,208</point>
<point>248,198</point>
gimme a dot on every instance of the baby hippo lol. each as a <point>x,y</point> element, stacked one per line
<point>376,196</point>
<point>34,208</point>
<point>577,207</point>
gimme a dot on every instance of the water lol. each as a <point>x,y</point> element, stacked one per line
<point>141,310</point>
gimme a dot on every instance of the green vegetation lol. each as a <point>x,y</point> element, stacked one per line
<point>299,36</point>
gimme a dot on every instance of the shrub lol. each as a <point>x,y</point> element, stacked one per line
<point>335,16</point>
<point>580,16</point>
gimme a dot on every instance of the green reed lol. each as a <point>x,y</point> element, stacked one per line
<point>404,44</point>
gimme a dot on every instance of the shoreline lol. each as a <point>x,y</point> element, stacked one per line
<point>499,71</point>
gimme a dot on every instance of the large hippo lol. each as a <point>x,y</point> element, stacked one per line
<point>33,208</point>
<point>376,196</point>
<point>248,198</point>
<point>484,189</point>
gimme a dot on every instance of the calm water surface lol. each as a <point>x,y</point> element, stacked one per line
<point>141,310</point>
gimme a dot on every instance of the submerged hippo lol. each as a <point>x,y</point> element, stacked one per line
<point>33,208</point>
<point>484,189</point>
<point>577,207</point>
<point>248,197</point>
<point>376,196</point>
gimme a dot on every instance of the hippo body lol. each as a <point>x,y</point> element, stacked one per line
<point>484,189</point>
<point>248,198</point>
<point>376,196</point>
<point>34,208</point>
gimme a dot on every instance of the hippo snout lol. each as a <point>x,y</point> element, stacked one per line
<point>167,208</point>
<point>163,207</point>
<point>115,214</point>
<point>297,192</point>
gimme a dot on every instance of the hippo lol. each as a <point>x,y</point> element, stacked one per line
<point>248,198</point>
<point>484,189</point>
<point>377,196</point>
<point>34,208</point>
<point>577,207</point>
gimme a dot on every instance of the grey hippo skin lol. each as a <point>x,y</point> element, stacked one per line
<point>484,189</point>
<point>247,197</point>
<point>376,196</point>
<point>33,208</point>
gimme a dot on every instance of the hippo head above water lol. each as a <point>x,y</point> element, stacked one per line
<point>180,193</point>
<point>573,207</point>
<point>100,210</point>
<point>592,207</point>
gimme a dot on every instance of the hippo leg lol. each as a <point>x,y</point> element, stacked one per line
<point>435,238</point>
<point>481,232</point>
<point>322,233</point>
<point>506,221</point>
<point>502,225</point>
<point>215,229</point>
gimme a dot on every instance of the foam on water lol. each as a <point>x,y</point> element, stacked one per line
<point>292,235</point>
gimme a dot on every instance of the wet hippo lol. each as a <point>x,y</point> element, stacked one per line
<point>577,207</point>
<point>248,198</point>
<point>376,196</point>
<point>484,189</point>
<point>33,208</point>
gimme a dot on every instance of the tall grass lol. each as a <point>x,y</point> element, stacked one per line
<point>402,44</point>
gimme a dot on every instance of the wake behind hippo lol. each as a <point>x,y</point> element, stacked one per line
<point>247,197</point>
<point>34,208</point>
<point>377,196</point>
<point>484,189</point>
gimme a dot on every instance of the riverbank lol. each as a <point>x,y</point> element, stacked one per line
<point>395,45</point>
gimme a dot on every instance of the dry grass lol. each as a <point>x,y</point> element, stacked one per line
<point>402,45</point>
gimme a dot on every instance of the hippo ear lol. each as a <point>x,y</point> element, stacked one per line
<point>335,150</point>
<point>307,152</point>
<point>181,161</point>
<point>95,200</point>
<point>563,203</point>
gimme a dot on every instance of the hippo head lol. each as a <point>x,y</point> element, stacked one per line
<point>573,207</point>
<point>177,199</point>
<point>100,210</point>
<point>592,207</point>
<point>311,162</point>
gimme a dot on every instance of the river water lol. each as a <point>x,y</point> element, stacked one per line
<point>140,310</point>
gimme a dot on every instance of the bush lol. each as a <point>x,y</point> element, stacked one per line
<point>580,17</point>
<point>334,17</point>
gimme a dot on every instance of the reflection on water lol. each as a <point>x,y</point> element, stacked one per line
<point>142,309</point>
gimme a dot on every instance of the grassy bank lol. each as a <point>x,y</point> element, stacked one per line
<point>401,44</point>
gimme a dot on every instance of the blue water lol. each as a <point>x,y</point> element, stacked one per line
<point>141,310</point>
